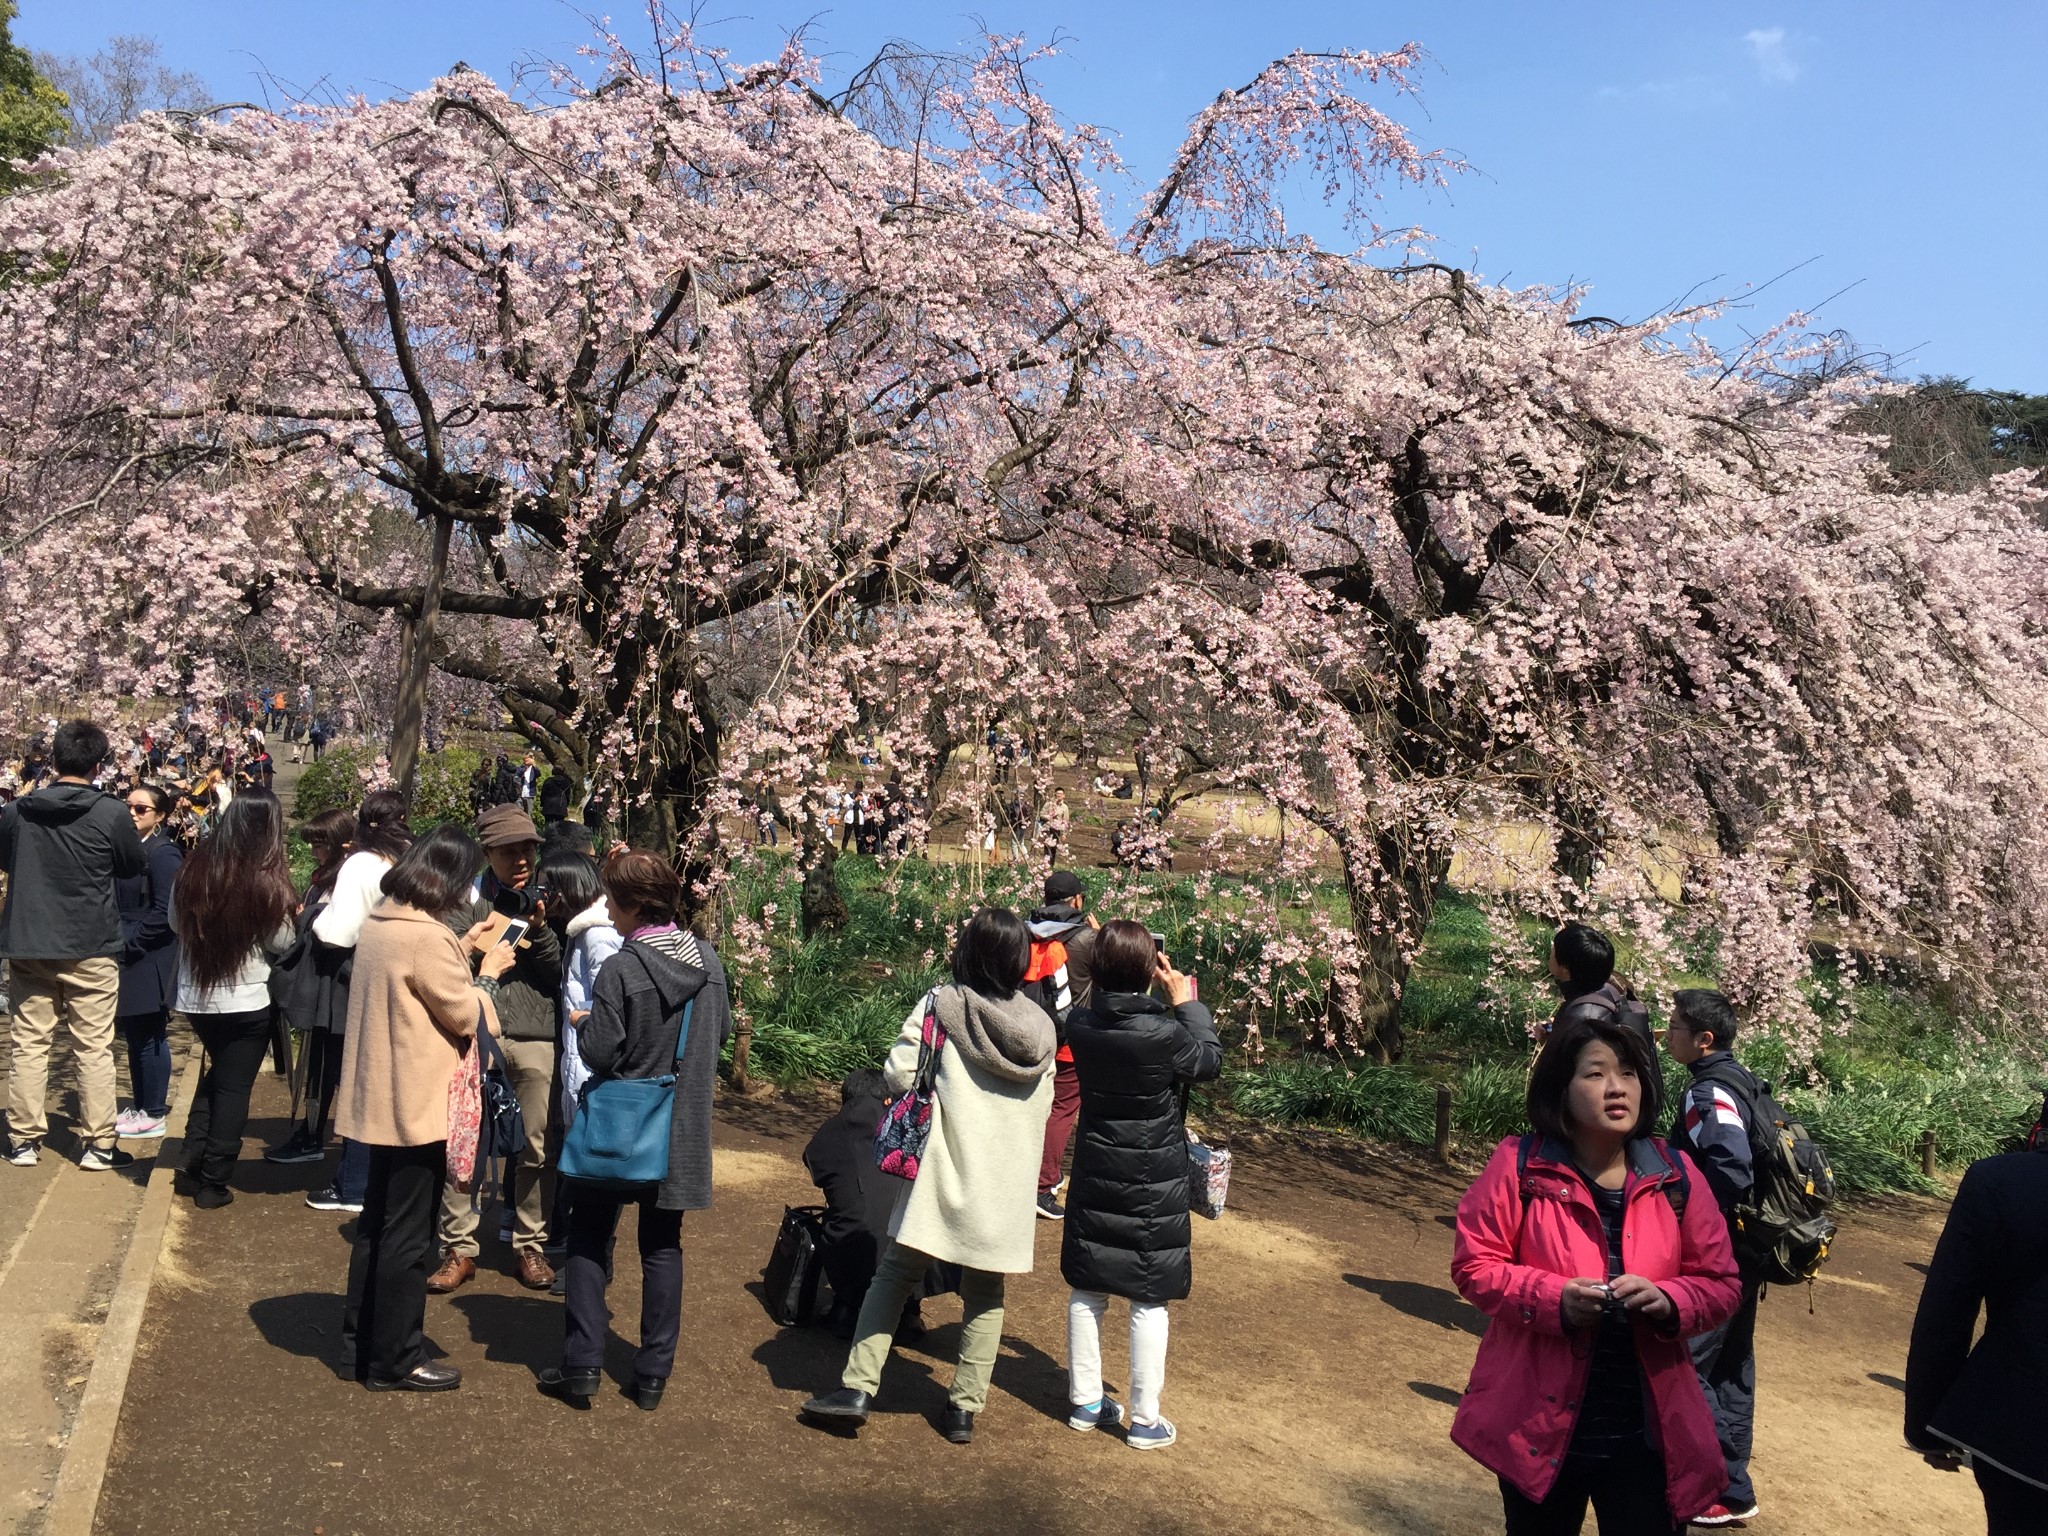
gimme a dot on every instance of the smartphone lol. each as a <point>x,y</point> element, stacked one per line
<point>1159,942</point>
<point>514,931</point>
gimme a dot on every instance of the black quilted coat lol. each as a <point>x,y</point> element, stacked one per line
<point>1127,1205</point>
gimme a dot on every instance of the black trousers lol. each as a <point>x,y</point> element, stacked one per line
<point>593,1218</point>
<point>1627,1494</point>
<point>386,1313</point>
<point>1725,1358</point>
<point>2011,1507</point>
<point>236,1044</point>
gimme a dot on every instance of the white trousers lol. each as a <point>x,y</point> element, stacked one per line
<point>1084,1353</point>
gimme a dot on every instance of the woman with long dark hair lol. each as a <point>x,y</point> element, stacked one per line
<point>232,912</point>
<point>412,1010</point>
<point>973,1199</point>
<point>149,964</point>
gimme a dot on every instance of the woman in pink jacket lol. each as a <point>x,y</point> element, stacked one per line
<point>1597,1252</point>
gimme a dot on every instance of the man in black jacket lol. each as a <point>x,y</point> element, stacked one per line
<point>61,849</point>
<point>1986,1402</point>
<point>1582,965</point>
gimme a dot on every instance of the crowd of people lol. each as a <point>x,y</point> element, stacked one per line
<point>492,991</point>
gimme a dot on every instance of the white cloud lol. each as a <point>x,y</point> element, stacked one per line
<point>1773,59</point>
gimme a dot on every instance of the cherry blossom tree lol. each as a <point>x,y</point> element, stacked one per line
<point>723,420</point>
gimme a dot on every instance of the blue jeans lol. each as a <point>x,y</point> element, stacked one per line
<point>149,1059</point>
<point>352,1177</point>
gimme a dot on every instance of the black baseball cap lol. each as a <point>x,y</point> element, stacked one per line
<point>1063,885</point>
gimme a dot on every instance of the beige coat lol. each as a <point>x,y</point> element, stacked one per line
<point>412,1007</point>
<point>975,1199</point>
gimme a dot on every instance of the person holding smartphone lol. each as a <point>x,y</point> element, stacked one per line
<point>509,905</point>
<point>1127,1231</point>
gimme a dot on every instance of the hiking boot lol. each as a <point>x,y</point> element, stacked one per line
<point>457,1269</point>
<point>1049,1208</point>
<point>1102,1414</point>
<point>1151,1437</point>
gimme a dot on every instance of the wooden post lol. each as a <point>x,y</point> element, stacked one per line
<point>1443,1124</point>
<point>742,1047</point>
<point>1927,1153</point>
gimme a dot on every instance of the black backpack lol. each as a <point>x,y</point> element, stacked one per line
<point>1782,1232</point>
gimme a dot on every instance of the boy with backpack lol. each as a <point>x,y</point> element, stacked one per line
<point>1773,1186</point>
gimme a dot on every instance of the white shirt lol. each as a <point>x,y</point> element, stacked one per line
<point>358,886</point>
<point>247,991</point>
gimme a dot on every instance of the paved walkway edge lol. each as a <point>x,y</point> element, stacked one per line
<point>90,1445</point>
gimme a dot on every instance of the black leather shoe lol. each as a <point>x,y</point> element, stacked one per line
<point>422,1378</point>
<point>846,1403</point>
<point>647,1390</point>
<point>576,1388</point>
<point>957,1425</point>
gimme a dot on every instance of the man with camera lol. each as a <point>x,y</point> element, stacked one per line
<point>509,898</point>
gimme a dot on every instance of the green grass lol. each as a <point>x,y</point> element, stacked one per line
<point>1894,1063</point>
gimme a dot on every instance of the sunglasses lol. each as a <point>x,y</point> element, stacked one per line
<point>139,809</point>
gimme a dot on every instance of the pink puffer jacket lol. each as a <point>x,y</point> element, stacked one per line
<point>1521,1236</point>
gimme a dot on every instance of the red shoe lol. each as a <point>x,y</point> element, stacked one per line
<point>1720,1516</point>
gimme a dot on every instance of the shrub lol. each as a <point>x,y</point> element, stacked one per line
<point>441,787</point>
<point>335,783</point>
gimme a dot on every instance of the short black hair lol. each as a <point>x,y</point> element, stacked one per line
<point>1586,954</point>
<point>573,877</point>
<point>993,953</point>
<point>1125,957</point>
<point>1704,1012</point>
<point>435,874</point>
<point>1558,1063</point>
<point>80,747</point>
<point>862,1083</point>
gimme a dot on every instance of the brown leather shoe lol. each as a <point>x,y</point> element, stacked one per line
<point>456,1269</point>
<point>534,1272</point>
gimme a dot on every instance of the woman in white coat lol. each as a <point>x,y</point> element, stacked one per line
<point>974,1200</point>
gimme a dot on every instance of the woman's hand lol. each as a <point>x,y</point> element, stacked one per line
<point>1584,1301</point>
<point>497,960</point>
<point>1177,987</point>
<point>477,940</point>
<point>1644,1299</point>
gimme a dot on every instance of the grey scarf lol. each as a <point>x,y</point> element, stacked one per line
<point>1011,1038</point>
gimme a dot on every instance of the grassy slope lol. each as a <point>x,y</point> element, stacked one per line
<point>822,1007</point>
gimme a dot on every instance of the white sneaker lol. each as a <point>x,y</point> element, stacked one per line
<point>23,1154</point>
<point>138,1126</point>
<point>93,1160</point>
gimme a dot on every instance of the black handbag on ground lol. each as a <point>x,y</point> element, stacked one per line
<point>790,1282</point>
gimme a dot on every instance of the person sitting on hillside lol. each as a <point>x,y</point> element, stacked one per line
<point>1983,1402</point>
<point>1582,965</point>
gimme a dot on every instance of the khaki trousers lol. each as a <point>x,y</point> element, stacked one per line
<point>83,994</point>
<point>897,1278</point>
<point>532,1065</point>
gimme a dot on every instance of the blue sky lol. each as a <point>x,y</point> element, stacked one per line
<point>1642,148</point>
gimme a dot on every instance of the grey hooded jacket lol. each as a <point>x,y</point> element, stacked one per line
<point>62,848</point>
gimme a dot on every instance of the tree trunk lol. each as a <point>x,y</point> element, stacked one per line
<point>410,715</point>
<point>823,909</point>
<point>1388,919</point>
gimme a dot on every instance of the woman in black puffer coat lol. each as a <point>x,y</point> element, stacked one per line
<point>1127,1230</point>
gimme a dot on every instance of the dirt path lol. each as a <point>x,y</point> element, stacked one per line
<point>1312,1376</point>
